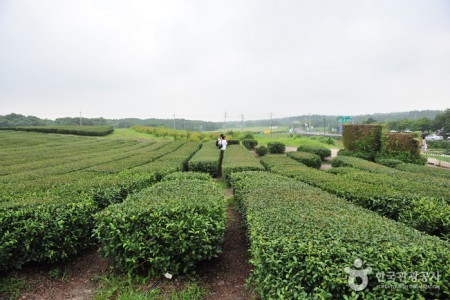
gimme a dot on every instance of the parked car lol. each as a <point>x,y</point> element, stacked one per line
<point>433,137</point>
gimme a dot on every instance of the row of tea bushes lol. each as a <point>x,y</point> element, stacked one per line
<point>302,240</point>
<point>435,172</point>
<point>50,218</point>
<point>53,226</point>
<point>306,158</point>
<point>404,185</point>
<point>27,163</point>
<point>379,196</point>
<point>77,130</point>
<point>145,156</point>
<point>206,159</point>
<point>323,152</point>
<point>237,159</point>
<point>166,228</point>
<point>172,161</point>
<point>422,177</point>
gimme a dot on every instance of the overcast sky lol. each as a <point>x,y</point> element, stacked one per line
<point>198,59</point>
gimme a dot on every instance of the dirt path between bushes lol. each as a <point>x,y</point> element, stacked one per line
<point>74,280</point>
<point>225,276</point>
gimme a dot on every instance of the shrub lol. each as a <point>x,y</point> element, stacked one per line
<point>187,175</point>
<point>388,195</point>
<point>76,130</point>
<point>46,214</point>
<point>166,228</point>
<point>401,146</point>
<point>238,159</point>
<point>276,147</point>
<point>435,172</point>
<point>249,144</point>
<point>318,150</point>
<point>246,136</point>
<point>261,150</point>
<point>206,160</point>
<point>45,233</point>
<point>52,226</point>
<point>389,162</point>
<point>361,155</point>
<point>233,142</point>
<point>362,138</point>
<point>308,159</point>
<point>303,238</point>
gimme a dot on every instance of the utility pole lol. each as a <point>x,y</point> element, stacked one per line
<point>271,124</point>
<point>80,120</point>
<point>225,119</point>
<point>242,122</point>
<point>174,121</point>
<point>324,126</point>
<point>184,124</point>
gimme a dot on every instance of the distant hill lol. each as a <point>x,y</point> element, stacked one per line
<point>14,120</point>
<point>198,125</point>
<point>332,121</point>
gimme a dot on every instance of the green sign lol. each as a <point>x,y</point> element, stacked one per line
<point>343,119</point>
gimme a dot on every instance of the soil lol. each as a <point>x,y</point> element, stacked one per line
<point>325,166</point>
<point>225,276</point>
<point>74,283</point>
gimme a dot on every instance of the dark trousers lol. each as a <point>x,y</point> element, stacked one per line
<point>219,170</point>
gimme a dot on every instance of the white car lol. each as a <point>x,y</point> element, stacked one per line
<point>433,137</point>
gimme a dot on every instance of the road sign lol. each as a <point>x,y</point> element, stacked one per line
<point>343,119</point>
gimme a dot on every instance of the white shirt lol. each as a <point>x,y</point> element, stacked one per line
<point>224,144</point>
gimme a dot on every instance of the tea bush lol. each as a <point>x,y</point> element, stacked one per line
<point>276,147</point>
<point>206,159</point>
<point>318,150</point>
<point>302,239</point>
<point>378,193</point>
<point>168,227</point>
<point>308,159</point>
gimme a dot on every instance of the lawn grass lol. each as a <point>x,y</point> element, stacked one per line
<point>438,157</point>
<point>121,287</point>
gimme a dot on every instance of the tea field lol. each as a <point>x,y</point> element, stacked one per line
<point>154,208</point>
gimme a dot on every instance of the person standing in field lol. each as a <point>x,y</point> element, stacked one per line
<point>222,144</point>
<point>424,145</point>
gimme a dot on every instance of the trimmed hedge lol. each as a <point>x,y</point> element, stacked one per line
<point>276,147</point>
<point>166,228</point>
<point>206,160</point>
<point>362,155</point>
<point>309,159</point>
<point>237,159</point>
<point>302,239</point>
<point>423,175</point>
<point>233,142</point>
<point>378,193</point>
<point>261,150</point>
<point>46,213</point>
<point>48,227</point>
<point>402,146</point>
<point>435,172</point>
<point>389,162</point>
<point>318,150</point>
<point>364,139</point>
<point>250,144</point>
<point>187,175</point>
<point>76,130</point>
